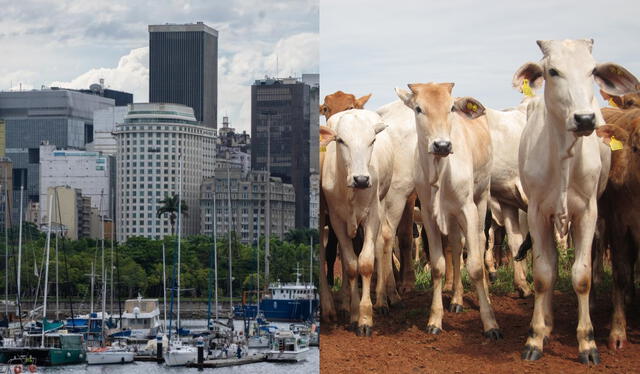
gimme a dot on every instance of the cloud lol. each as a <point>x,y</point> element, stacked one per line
<point>131,75</point>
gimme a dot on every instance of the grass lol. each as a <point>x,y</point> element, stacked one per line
<point>503,285</point>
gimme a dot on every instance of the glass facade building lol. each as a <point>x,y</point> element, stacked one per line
<point>64,118</point>
<point>281,112</point>
<point>150,143</point>
<point>183,68</point>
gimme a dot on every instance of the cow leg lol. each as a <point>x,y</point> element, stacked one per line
<point>455,246</point>
<point>623,257</point>
<point>545,258</point>
<point>385,285</point>
<point>489,255</point>
<point>326,298</point>
<point>583,230</point>
<point>515,238</point>
<point>448,272</point>
<point>475,242</point>
<point>350,269</point>
<point>344,294</point>
<point>405,243</point>
<point>434,325</point>
<point>366,261</point>
<point>331,253</point>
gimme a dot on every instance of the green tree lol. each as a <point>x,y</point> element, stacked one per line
<point>170,208</point>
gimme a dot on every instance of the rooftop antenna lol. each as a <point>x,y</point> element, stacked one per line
<point>276,67</point>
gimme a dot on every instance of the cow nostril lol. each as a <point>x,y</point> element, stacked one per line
<point>361,181</point>
<point>585,120</point>
<point>442,146</point>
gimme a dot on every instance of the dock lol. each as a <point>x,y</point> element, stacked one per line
<point>145,358</point>
<point>224,362</point>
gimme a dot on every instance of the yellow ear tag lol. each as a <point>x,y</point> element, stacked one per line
<point>323,148</point>
<point>472,106</point>
<point>612,103</point>
<point>526,89</point>
<point>615,144</point>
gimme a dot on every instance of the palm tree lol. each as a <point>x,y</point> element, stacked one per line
<point>170,207</point>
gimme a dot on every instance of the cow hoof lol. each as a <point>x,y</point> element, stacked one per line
<point>493,276</point>
<point>363,331</point>
<point>455,308</point>
<point>523,294</point>
<point>531,353</point>
<point>382,310</point>
<point>589,356</point>
<point>434,330</point>
<point>616,344</point>
<point>493,334</point>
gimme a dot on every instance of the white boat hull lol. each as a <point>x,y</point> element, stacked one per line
<point>296,356</point>
<point>181,357</point>
<point>258,342</point>
<point>101,358</point>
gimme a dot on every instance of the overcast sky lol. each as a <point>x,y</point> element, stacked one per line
<point>374,46</point>
<point>73,43</point>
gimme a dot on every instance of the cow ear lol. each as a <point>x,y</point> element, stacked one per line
<point>617,100</point>
<point>327,135</point>
<point>469,106</point>
<point>324,109</point>
<point>361,101</point>
<point>606,132</point>
<point>614,79</point>
<point>405,96</point>
<point>378,127</point>
<point>532,72</point>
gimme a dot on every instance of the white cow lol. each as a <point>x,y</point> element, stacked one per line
<point>563,167</point>
<point>507,195</point>
<point>452,175</point>
<point>355,179</point>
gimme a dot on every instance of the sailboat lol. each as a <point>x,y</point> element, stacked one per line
<point>115,354</point>
<point>47,348</point>
<point>179,354</point>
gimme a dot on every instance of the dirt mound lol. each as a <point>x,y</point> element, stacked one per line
<point>400,343</point>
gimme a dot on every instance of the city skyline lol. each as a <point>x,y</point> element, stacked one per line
<point>255,40</point>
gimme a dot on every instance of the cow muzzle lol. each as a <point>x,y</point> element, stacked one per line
<point>361,181</point>
<point>441,148</point>
<point>584,124</point>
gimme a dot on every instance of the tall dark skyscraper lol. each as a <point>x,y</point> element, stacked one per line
<point>183,68</point>
<point>283,106</point>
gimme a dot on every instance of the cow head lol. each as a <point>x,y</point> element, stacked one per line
<point>568,70</point>
<point>355,133</point>
<point>627,101</point>
<point>624,167</point>
<point>435,110</point>
<point>340,101</point>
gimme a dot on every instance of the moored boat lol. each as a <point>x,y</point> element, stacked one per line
<point>287,346</point>
<point>180,354</point>
<point>110,355</point>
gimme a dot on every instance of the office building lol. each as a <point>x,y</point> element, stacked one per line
<point>104,124</point>
<point>248,193</point>
<point>6,191</point>
<point>183,68</point>
<point>89,172</point>
<point>150,143</point>
<point>64,118</point>
<point>281,111</point>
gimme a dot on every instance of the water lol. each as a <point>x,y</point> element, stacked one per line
<point>311,365</point>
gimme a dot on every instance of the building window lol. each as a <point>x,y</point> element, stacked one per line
<point>34,155</point>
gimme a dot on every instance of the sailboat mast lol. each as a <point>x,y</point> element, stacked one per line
<point>179,236</point>
<point>104,274</point>
<point>258,269</point>
<point>267,230</point>
<point>93,265</point>
<point>311,277</point>
<point>57,283</point>
<point>230,220</point>
<point>46,273</point>
<point>20,244</point>
<point>215,249</point>
<point>164,287</point>
<point>6,247</point>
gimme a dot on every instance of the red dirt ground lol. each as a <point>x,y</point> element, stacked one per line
<point>400,343</point>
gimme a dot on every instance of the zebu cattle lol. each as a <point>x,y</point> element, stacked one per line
<point>452,174</point>
<point>355,179</point>
<point>563,168</point>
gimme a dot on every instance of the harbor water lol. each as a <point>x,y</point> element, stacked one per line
<point>310,365</point>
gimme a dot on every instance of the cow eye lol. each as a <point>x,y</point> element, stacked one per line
<point>418,110</point>
<point>453,108</point>
<point>339,140</point>
<point>349,108</point>
<point>373,141</point>
<point>634,149</point>
<point>553,72</point>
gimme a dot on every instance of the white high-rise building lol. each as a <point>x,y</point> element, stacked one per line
<point>150,143</point>
<point>86,171</point>
<point>104,124</point>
